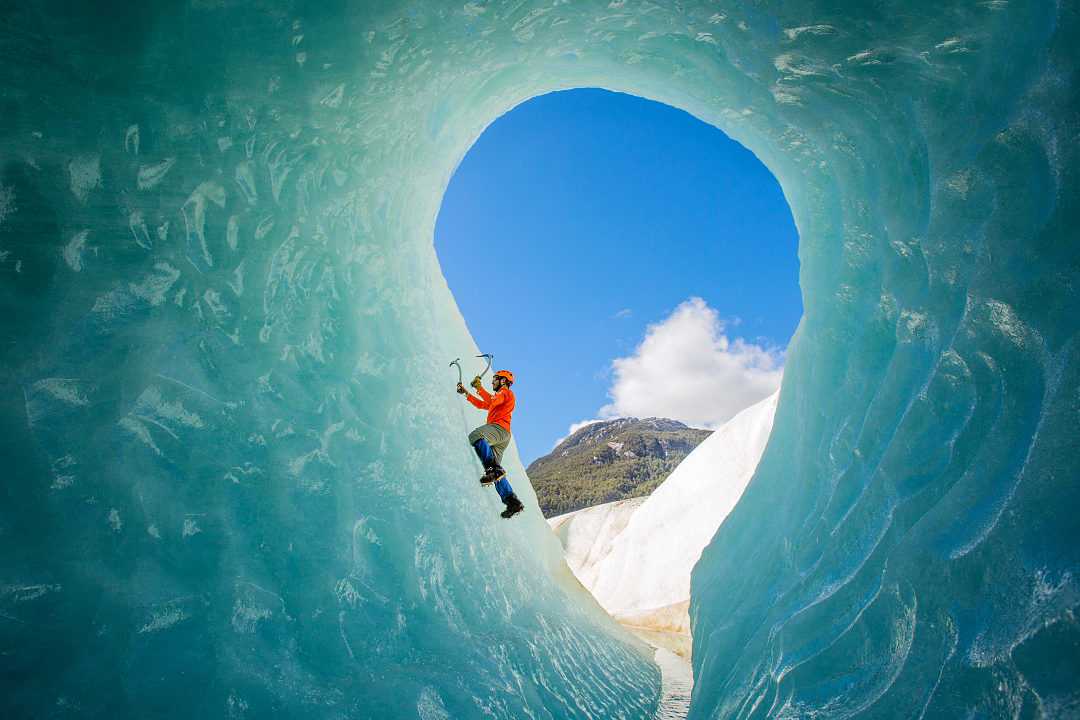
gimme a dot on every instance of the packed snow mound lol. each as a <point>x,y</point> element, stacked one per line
<point>635,556</point>
<point>650,561</point>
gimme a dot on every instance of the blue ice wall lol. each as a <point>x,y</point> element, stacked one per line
<point>908,547</point>
<point>236,483</point>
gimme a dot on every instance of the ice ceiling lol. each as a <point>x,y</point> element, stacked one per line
<point>236,482</point>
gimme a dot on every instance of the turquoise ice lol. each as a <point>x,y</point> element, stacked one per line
<point>235,476</point>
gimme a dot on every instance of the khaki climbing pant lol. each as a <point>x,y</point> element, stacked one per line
<point>497,437</point>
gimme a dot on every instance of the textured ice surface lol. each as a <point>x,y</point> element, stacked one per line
<point>635,556</point>
<point>235,481</point>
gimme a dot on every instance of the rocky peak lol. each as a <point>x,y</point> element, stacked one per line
<point>611,460</point>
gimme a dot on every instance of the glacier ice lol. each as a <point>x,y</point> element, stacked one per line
<point>635,556</point>
<point>235,476</point>
<point>587,535</point>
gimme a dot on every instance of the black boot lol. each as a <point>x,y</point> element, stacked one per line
<point>492,474</point>
<point>513,506</point>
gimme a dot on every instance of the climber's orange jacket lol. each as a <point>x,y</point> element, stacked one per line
<point>500,406</point>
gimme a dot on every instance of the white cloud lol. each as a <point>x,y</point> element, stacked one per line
<point>623,314</point>
<point>688,369</point>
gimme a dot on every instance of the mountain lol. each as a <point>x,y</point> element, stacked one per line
<point>610,460</point>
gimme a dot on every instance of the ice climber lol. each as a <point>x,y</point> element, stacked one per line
<point>492,439</point>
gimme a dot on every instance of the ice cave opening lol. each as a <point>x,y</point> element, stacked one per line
<point>579,220</point>
<point>571,213</point>
<point>221,304</point>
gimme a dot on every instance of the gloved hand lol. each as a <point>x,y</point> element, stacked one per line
<point>477,382</point>
<point>461,388</point>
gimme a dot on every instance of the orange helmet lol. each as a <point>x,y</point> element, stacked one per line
<point>509,376</point>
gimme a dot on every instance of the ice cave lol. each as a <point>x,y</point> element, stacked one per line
<point>216,268</point>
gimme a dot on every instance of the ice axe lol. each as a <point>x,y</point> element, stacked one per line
<point>460,379</point>
<point>490,359</point>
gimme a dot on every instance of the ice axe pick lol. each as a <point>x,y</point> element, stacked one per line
<point>490,359</point>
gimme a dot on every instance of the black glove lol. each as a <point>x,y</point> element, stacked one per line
<point>461,388</point>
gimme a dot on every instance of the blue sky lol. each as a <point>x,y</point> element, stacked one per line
<point>620,256</point>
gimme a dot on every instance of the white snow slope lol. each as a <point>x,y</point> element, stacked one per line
<point>635,556</point>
